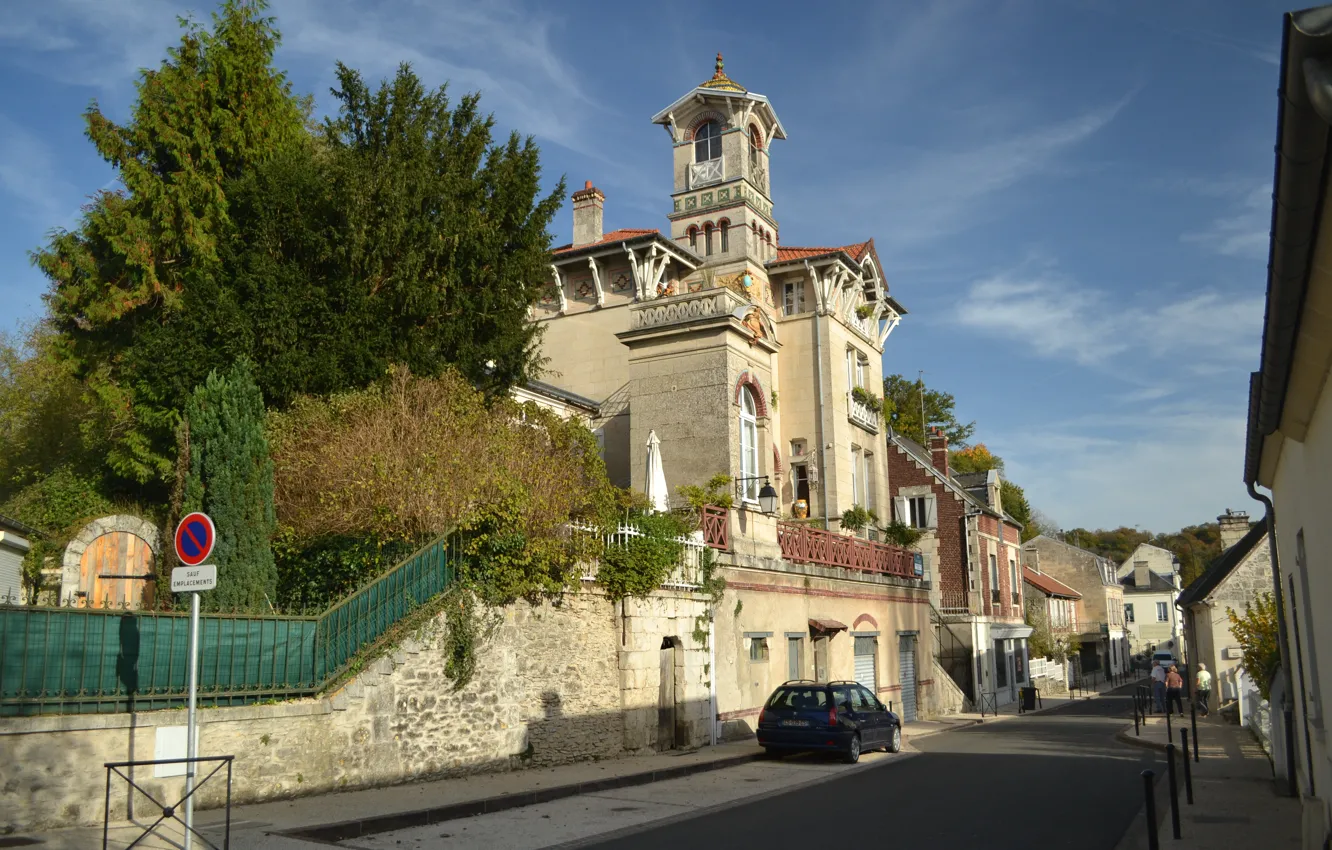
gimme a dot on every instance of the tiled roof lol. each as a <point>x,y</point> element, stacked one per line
<point>721,81</point>
<point>857,252</point>
<point>1202,586</point>
<point>1050,585</point>
<point>614,236</point>
<point>1155,584</point>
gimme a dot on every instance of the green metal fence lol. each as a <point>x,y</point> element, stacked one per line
<point>78,660</point>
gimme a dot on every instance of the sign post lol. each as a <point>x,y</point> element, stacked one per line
<point>195,537</point>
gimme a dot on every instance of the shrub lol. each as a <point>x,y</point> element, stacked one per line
<point>639,565</point>
<point>411,458</point>
<point>857,517</point>
<point>231,479</point>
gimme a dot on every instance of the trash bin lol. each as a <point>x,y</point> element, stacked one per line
<point>1028,698</point>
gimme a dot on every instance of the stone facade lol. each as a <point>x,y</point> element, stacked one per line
<point>1105,644</point>
<point>554,683</point>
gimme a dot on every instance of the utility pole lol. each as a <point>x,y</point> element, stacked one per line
<point>924,426</point>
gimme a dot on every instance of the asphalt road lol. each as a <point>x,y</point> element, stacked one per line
<point>1053,780</point>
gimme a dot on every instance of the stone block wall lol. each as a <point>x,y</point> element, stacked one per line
<point>546,691</point>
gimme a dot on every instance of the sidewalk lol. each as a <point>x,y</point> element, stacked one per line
<point>1046,703</point>
<point>332,817</point>
<point>1236,799</point>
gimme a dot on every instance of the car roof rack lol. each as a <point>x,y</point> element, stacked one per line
<point>844,682</point>
<point>799,682</point>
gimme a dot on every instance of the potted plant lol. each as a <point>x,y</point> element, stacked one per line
<point>867,398</point>
<point>864,311</point>
<point>857,517</point>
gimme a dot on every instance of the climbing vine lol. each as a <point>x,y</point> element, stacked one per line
<point>638,564</point>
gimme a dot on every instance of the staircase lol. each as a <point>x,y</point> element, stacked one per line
<point>954,656</point>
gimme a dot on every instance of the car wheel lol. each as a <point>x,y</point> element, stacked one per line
<point>852,750</point>
<point>895,740</point>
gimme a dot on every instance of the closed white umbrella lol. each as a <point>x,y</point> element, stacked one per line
<point>657,495</point>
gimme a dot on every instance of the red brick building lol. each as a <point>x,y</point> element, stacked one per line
<point>973,550</point>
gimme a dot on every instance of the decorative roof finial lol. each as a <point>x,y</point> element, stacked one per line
<point>718,75</point>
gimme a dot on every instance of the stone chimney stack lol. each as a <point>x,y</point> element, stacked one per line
<point>1142,575</point>
<point>1234,525</point>
<point>939,451</point>
<point>588,206</point>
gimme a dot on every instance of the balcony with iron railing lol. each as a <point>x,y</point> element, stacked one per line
<point>958,603</point>
<point>707,172</point>
<point>687,573</point>
<point>862,414</point>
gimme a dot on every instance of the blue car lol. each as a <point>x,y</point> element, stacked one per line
<point>803,715</point>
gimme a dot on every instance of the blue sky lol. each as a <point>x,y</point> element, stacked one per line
<point>1072,198</point>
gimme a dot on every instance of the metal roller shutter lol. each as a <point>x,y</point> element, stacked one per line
<point>866,656</point>
<point>907,664</point>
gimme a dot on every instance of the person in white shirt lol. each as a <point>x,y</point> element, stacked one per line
<point>1159,686</point>
<point>1203,687</point>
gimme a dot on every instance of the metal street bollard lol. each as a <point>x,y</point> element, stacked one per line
<point>1149,793</point>
<point>1170,732</point>
<point>1137,730</point>
<point>1193,724</point>
<point>1188,771</point>
<point>1174,789</point>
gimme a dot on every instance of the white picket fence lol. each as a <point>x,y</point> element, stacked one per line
<point>1047,668</point>
<point>685,576</point>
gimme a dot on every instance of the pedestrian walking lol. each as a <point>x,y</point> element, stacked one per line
<point>1159,686</point>
<point>1202,685</point>
<point>1174,690</point>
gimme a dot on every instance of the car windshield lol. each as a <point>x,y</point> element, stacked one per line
<point>799,698</point>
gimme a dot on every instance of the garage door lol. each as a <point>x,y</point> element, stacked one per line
<point>907,664</point>
<point>866,656</point>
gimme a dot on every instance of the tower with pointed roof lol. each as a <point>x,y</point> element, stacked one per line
<point>721,136</point>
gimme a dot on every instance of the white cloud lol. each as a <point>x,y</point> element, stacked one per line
<point>1056,317</point>
<point>1161,468</point>
<point>1244,229</point>
<point>939,192</point>
<point>29,175</point>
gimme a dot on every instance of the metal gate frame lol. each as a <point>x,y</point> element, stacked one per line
<point>910,696</point>
<point>168,812</point>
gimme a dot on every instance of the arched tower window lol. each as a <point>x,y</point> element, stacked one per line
<point>707,142</point>
<point>707,238</point>
<point>725,226</point>
<point>755,146</point>
<point>693,239</point>
<point>749,485</point>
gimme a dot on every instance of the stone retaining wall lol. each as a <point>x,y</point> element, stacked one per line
<point>546,691</point>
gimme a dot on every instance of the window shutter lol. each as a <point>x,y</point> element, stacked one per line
<point>900,510</point>
<point>931,515</point>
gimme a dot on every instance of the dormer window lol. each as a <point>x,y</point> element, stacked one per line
<point>707,142</point>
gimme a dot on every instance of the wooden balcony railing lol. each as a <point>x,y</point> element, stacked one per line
<point>716,527</point>
<point>802,544</point>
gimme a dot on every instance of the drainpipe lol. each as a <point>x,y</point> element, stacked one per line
<point>1283,644</point>
<point>818,383</point>
<point>712,677</point>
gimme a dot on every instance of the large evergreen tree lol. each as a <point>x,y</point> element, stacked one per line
<point>231,479</point>
<point>214,109</point>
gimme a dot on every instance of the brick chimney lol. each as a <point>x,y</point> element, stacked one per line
<point>939,451</point>
<point>1234,525</point>
<point>588,204</point>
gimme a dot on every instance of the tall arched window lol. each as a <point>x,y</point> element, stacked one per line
<point>693,239</point>
<point>725,227</point>
<point>755,146</point>
<point>707,238</point>
<point>749,485</point>
<point>707,142</point>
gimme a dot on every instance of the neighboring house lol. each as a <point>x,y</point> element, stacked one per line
<point>564,403</point>
<point>973,548</point>
<point>1105,645</point>
<point>1060,604</point>
<point>1289,442</point>
<point>1150,578</point>
<point>14,544</point>
<point>694,333</point>
<point>1236,578</point>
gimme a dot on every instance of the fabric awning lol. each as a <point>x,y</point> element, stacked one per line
<point>826,626</point>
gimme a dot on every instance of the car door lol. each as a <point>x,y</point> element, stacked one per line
<point>873,721</point>
<point>845,709</point>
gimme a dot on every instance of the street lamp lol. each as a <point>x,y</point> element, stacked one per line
<point>767,495</point>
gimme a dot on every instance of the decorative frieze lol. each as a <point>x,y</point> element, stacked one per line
<point>692,306</point>
<point>723,196</point>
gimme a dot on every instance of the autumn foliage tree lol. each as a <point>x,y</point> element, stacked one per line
<point>1256,631</point>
